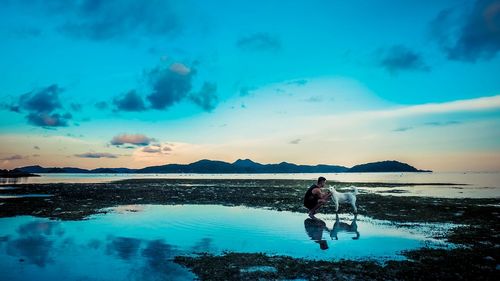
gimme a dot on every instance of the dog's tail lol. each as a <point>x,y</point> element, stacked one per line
<point>355,189</point>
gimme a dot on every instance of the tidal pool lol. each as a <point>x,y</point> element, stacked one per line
<point>139,242</point>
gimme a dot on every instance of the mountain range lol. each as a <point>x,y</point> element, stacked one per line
<point>240,166</point>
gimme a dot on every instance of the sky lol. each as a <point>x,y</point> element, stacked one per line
<point>130,83</point>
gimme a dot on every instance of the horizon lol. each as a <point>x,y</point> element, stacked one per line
<point>274,163</point>
<point>316,82</point>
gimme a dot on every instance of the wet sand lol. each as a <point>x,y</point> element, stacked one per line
<point>478,235</point>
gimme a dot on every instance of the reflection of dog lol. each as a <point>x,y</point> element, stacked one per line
<point>344,197</point>
<point>344,227</point>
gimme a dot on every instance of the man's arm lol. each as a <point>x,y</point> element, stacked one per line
<point>318,193</point>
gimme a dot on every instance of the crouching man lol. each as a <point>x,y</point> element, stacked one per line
<point>315,198</point>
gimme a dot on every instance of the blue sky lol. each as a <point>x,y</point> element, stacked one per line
<point>307,82</point>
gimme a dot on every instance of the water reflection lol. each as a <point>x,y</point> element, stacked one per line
<point>13,180</point>
<point>314,228</point>
<point>34,243</point>
<point>344,227</point>
<point>141,245</point>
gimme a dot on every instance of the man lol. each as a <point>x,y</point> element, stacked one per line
<point>315,198</point>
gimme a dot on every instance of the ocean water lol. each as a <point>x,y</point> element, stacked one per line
<point>463,185</point>
<point>139,242</point>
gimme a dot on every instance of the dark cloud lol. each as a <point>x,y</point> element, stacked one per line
<point>131,101</point>
<point>300,82</point>
<point>75,106</point>
<point>400,58</point>
<point>101,20</point>
<point>295,141</point>
<point>441,124</point>
<point>13,157</point>
<point>124,247</point>
<point>151,149</point>
<point>427,124</point>
<point>167,148</point>
<point>101,105</point>
<point>472,36</point>
<point>43,119</point>
<point>259,42</point>
<point>41,106</point>
<point>134,139</point>
<point>169,86</point>
<point>96,155</point>
<point>206,97</point>
<point>314,99</point>
<point>36,147</point>
<point>402,129</point>
<point>43,100</point>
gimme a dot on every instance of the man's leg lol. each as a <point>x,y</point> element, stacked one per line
<point>312,212</point>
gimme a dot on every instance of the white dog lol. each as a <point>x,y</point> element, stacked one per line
<point>346,197</point>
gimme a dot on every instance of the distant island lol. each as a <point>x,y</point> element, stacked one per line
<point>15,174</point>
<point>240,166</point>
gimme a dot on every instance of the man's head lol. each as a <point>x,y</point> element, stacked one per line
<point>321,182</point>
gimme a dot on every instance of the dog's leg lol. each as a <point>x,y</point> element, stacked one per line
<point>354,205</point>
<point>336,205</point>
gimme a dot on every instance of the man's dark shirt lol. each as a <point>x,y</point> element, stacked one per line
<point>310,199</point>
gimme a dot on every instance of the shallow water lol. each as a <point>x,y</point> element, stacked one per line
<point>465,185</point>
<point>13,196</point>
<point>138,242</point>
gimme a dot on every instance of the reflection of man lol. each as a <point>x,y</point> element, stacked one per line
<point>314,228</point>
<point>314,198</point>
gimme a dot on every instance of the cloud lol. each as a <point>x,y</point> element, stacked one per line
<point>180,68</point>
<point>169,86</point>
<point>151,149</point>
<point>400,58</point>
<point>314,99</point>
<point>42,100</point>
<point>402,129</point>
<point>131,101</point>
<point>477,104</point>
<point>101,105</point>
<point>134,139</point>
<point>48,120</point>
<point>12,158</point>
<point>431,124</point>
<point>36,147</point>
<point>472,36</point>
<point>206,97</point>
<point>300,82</point>
<point>441,124</point>
<point>113,19</point>
<point>261,41</point>
<point>167,148</point>
<point>75,106</point>
<point>96,155</point>
<point>295,141</point>
<point>245,91</point>
<point>41,105</point>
